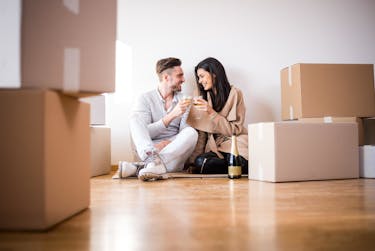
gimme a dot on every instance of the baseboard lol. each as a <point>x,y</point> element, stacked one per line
<point>114,167</point>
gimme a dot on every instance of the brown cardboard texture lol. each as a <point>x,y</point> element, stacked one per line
<point>359,121</point>
<point>320,90</point>
<point>45,158</point>
<point>100,150</point>
<point>69,45</point>
<point>298,151</point>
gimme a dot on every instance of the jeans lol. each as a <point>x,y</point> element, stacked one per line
<point>174,155</point>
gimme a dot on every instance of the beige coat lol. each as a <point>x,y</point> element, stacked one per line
<point>215,130</point>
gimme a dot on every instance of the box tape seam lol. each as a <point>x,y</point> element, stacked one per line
<point>72,6</point>
<point>72,60</point>
<point>290,83</point>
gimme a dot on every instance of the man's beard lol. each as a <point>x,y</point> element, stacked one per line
<point>176,88</point>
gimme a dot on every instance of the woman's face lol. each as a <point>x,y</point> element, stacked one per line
<point>205,79</point>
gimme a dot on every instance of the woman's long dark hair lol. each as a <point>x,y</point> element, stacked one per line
<point>219,82</point>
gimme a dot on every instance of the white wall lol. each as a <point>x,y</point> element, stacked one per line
<point>10,21</point>
<point>253,39</point>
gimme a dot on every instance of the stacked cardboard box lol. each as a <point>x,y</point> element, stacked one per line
<point>100,136</point>
<point>98,114</point>
<point>322,99</point>
<point>367,161</point>
<point>69,45</point>
<point>45,158</point>
<point>100,150</point>
<point>67,51</point>
<point>358,121</point>
<point>320,90</point>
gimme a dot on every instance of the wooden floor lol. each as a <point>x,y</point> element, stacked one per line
<point>214,214</point>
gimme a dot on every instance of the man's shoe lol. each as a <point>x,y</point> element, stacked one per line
<point>125,169</point>
<point>153,172</point>
<point>154,169</point>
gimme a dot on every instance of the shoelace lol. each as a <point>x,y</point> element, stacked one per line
<point>153,156</point>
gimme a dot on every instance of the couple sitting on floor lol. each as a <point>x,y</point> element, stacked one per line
<point>166,134</point>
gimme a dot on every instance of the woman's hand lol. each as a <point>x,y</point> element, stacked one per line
<point>202,105</point>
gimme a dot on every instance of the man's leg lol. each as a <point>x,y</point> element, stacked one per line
<point>154,168</point>
<point>179,150</point>
<point>140,136</point>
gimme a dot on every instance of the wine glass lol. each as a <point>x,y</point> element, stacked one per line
<point>197,106</point>
<point>187,99</point>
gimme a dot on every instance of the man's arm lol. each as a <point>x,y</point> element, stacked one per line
<point>142,110</point>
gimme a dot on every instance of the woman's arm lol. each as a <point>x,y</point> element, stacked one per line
<point>228,125</point>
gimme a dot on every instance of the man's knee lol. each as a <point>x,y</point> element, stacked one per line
<point>191,134</point>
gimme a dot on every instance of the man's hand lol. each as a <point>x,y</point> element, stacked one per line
<point>162,144</point>
<point>180,108</point>
<point>177,111</point>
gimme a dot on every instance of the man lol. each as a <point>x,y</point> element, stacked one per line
<point>158,127</point>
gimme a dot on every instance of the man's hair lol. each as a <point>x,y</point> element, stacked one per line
<point>165,64</point>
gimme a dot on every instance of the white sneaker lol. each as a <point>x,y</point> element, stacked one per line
<point>125,169</point>
<point>154,169</point>
<point>153,172</point>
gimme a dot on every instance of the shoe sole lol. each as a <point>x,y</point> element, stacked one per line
<point>147,176</point>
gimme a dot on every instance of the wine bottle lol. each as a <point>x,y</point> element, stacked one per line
<point>234,163</point>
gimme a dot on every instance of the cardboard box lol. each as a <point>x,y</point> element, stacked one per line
<point>320,90</point>
<point>69,45</point>
<point>298,151</point>
<point>361,133</point>
<point>100,150</point>
<point>369,131</point>
<point>367,161</point>
<point>44,158</point>
<point>97,109</point>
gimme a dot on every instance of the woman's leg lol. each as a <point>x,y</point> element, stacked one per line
<point>210,163</point>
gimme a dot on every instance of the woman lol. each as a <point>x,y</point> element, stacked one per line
<point>222,114</point>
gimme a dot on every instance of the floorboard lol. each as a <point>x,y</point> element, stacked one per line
<point>214,214</point>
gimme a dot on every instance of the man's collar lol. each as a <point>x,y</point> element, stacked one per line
<point>175,99</point>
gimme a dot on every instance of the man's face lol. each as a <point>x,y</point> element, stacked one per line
<point>175,79</point>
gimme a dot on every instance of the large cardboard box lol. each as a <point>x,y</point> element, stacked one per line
<point>369,131</point>
<point>298,151</point>
<point>367,161</point>
<point>69,45</point>
<point>100,150</point>
<point>44,158</point>
<point>359,121</point>
<point>320,90</point>
<point>97,109</point>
